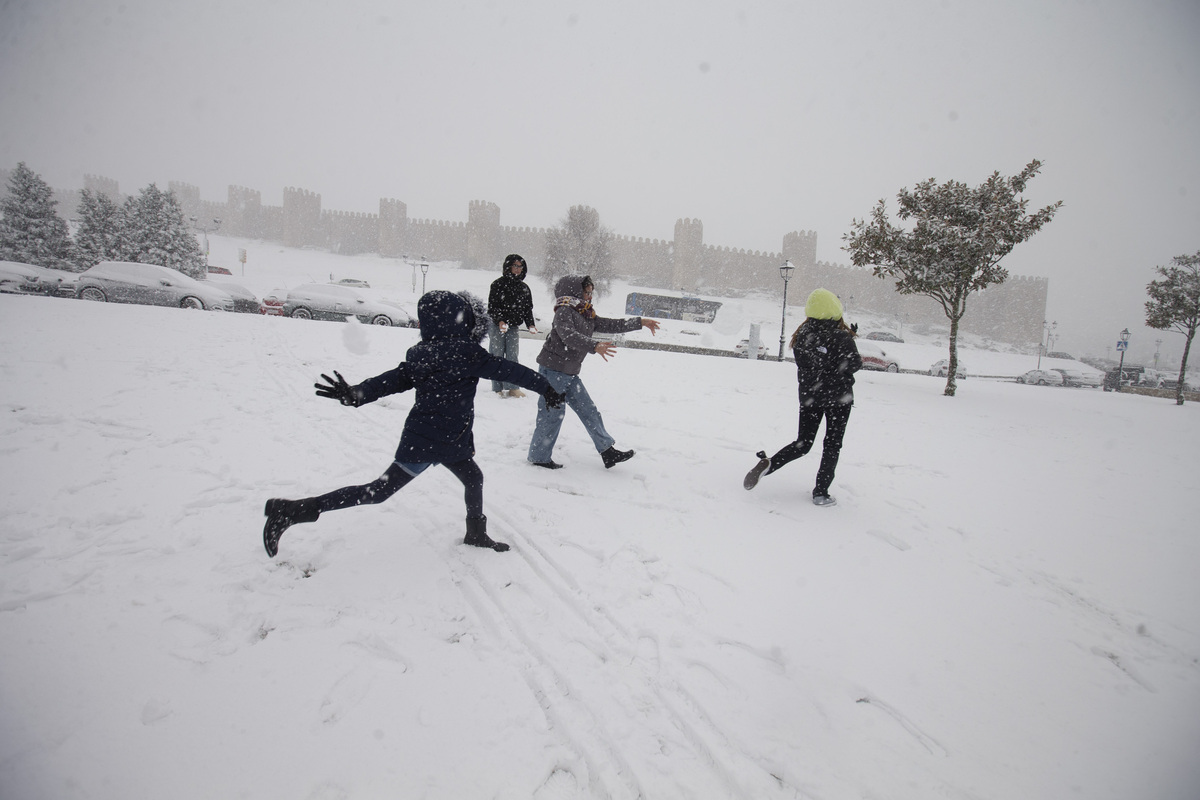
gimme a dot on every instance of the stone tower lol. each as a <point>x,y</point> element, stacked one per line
<point>483,235</point>
<point>689,255</point>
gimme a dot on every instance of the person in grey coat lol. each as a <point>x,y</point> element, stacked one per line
<point>568,344</point>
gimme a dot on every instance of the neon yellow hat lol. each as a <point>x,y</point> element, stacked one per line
<point>823,304</point>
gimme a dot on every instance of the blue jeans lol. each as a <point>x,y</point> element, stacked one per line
<point>504,345</point>
<point>549,420</point>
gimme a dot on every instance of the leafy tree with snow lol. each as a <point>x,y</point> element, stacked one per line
<point>30,229</point>
<point>580,246</point>
<point>157,233</point>
<point>954,247</point>
<point>1174,305</point>
<point>101,233</point>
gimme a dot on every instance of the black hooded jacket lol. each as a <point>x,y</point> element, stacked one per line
<point>510,300</point>
<point>445,368</point>
<point>826,360</point>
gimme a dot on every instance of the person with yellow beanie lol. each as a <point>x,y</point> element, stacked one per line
<point>826,360</point>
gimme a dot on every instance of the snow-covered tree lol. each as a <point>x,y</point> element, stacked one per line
<point>157,233</point>
<point>30,229</point>
<point>580,246</point>
<point>101,232</point>
<point>954,247</point>
<point>1174,305</point>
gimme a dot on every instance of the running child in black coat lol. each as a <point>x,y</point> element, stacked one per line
<point>826,360</point>
<point>445,368</point>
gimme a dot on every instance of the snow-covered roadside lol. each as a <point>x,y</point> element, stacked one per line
<point>1003,603</point>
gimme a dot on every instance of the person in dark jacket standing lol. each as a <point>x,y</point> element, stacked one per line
<point>826,360</point>
<point>569,342</point>
<point>444,368</point>
<point>510,305</point>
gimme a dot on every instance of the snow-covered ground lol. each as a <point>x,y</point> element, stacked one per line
<point>1003,604</point>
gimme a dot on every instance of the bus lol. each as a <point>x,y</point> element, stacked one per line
<point>688,309</point>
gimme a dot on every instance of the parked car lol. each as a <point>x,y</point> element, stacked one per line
<point>244,300</point>
<point>1041,377</point>
<point>1151,378</point>
<point>354,283</point>
<point>18,278</point>
<point>149,284</point>
<point>939,369</point>
<point>742,348</point>
<point>333,302</point>
<point>1067,356</point>
<point>882,336</point>
<point>876,358</point>
<point>271,305</point>
<point>1074,377</point>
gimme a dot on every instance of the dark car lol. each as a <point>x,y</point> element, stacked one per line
<point>149,284</point>
<point>244,300</point>
<point>19,278</point>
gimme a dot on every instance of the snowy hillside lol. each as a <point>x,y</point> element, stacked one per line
<point>1003,604</point>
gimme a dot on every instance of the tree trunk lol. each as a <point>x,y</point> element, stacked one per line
<point>1187,346</point>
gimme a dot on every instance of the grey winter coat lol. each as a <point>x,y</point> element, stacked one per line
<point>570,339</point>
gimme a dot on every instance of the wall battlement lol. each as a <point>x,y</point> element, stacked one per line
<point>1011,312</point>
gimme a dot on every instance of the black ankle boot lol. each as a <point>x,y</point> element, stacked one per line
<point>281,515</point>
<point>612,456</point>
<point>477,535</point>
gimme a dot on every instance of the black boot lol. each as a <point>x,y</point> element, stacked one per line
<point>477,535</point>
<point>281,515</point>
<point>612,456</point>
<point>751,479</point>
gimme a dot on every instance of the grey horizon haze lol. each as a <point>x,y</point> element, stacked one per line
<point>757,118</point>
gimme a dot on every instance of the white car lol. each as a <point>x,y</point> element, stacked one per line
<point>149,284</point>
<point>339,303</point>
<point>939,369</point>
<point>876,358</point>
<point>742,348</point>
<point>1041,377</point>
<point>18,278</point>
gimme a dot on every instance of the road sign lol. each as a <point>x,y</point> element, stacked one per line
<point>1122,345</point>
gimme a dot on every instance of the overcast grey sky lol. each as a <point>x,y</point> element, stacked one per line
<point>758,118</point>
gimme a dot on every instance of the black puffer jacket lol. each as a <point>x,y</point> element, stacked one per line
<point>445,367</point>
<point>510,300</point>
<point>826,360</point>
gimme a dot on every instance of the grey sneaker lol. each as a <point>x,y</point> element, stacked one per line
<point>756,472</point>
<point>823,500</point>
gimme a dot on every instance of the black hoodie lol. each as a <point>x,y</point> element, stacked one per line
<point>510,300</point>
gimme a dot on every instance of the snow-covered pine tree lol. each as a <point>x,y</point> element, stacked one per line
<point>157,233</point>
<point>101,233</point>
<point>31,231</point>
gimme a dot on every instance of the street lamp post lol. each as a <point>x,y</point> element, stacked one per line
<point>205,229</point>
<point>1048,327</point>
<point>785,271</point>
<point>1121,345</point>
<point>1157,345</point>
<point>424,272</point>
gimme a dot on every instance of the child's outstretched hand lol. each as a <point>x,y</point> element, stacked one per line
<point>554,399</point>
<point>337,390</point>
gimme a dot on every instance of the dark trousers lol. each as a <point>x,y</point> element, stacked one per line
<point>835,418</point>
<point>395,479</point>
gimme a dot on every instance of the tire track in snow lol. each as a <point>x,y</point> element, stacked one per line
<point>629,665</point>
